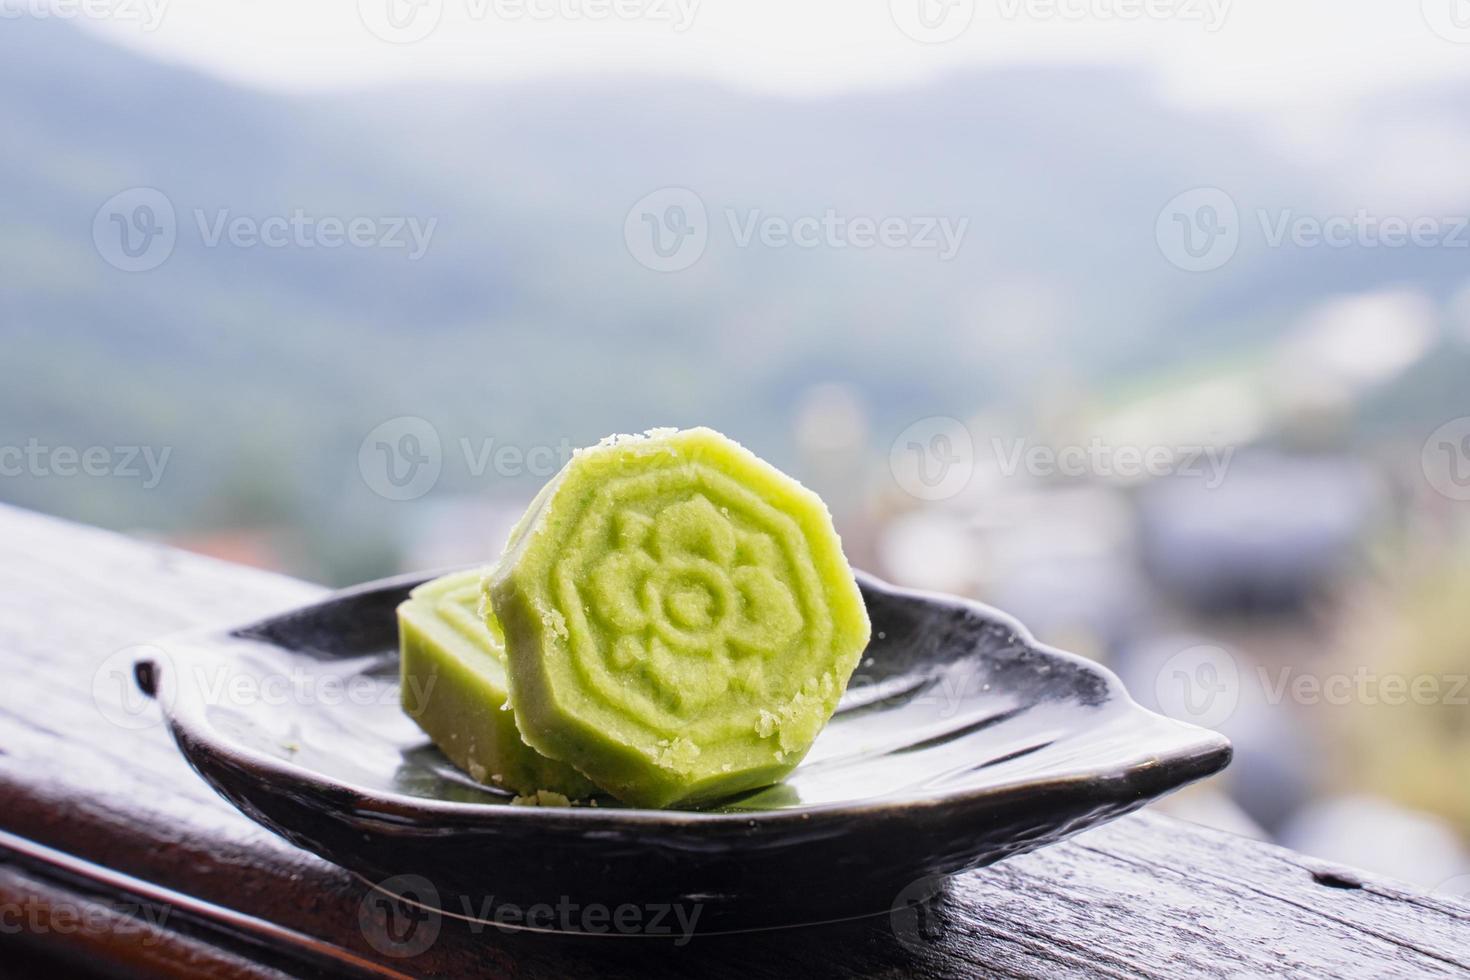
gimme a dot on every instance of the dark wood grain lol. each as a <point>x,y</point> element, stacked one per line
<point>113,821</point>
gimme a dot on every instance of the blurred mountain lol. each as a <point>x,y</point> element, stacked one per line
<point>528,321</point>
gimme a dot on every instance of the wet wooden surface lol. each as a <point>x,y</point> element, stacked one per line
<point>115,857</point>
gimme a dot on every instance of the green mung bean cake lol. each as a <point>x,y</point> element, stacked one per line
<point>452,673</point>
<point>680,621</point>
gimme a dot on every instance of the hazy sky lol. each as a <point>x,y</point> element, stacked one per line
<point>1251,52</point>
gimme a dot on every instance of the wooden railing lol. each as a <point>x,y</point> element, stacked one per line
<point>115,857</point>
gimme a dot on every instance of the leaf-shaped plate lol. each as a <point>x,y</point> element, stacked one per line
<point>961,741</point>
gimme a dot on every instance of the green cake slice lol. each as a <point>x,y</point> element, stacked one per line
<point>454,686</point>
<point>679,618</point>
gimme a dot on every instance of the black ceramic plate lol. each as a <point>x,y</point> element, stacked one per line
<point>961,741</point>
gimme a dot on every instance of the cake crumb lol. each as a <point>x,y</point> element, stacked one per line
<point>678,755</point>
<point>542,797</point>
<point>553,620</point>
